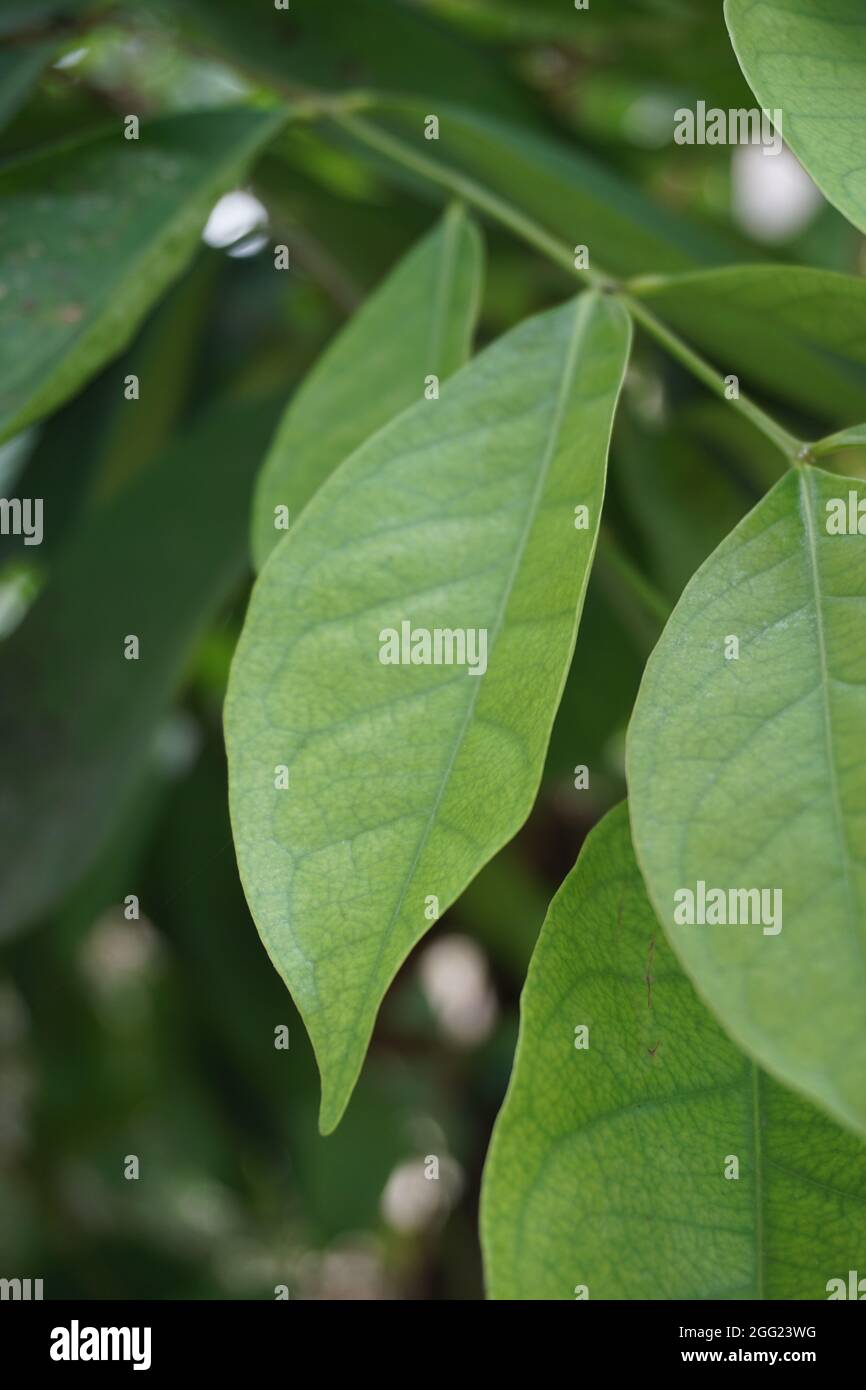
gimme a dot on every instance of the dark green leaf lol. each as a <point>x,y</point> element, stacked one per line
<point>92,233</point>
<point>77,718</point>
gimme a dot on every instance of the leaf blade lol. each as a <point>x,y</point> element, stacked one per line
<point>73,304</point>
<point>565,191</point>
<point>420,321</point>
<point>775,798</point>
<point>308,692</point>
<point>811,65</point>
<point>790,329</point>
<point>607,1164</point>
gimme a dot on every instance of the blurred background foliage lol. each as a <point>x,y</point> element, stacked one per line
<point>156,1037</point>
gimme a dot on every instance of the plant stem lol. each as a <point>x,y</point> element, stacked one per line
<point>789,445</point>
<point>474,193</point>
<point>530,231</point>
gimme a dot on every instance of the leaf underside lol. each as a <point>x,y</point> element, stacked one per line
<point>405,779</point>
<point>419,322</point>
<point>607,1166</point>
<point>78,719</point>
<point>750,773</point>
<point>809,62</point>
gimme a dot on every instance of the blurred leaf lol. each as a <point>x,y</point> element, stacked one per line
<point>132,213</point>
<point>76,717</point>
<point>361,233</point>
<point>561,188</point>
<point>18,16</point>
<point>99,440</point>
<point>383,44</point>
<point>794,331</point>
<point>419,322</point>
<point>270,1093</point>
<point>748,773</point>
<point>164,358</point>
<point>404,780</point>
<point>503,908</point>
<point>608,1163</point>
<point>809,62</point>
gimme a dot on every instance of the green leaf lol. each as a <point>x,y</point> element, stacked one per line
<point>854,438</point>
<point>562,189</point>
<point>607,1165</point>
<point>809,62</point>
<point>794,331</point>
<point>381,44</point>
<point>419,321</point>
<point>405,779</point>
<point>749,773</point>
<point>78,719</point>
<point>131,212</point>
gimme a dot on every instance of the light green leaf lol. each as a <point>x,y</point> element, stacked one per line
<point>608,1162</point>
<point>131,213</point>
<point>854,438</point>
<point>809,62</point>
<point>78,718</point>
<point>750,773</point>
<point>405,779</point>
<point>794,331</point>
<point>419,322</point>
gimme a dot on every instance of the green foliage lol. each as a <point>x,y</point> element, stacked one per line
<point>610,1165</point>
<point>789,330</point>
<point>419,322</point>
<point>403,780</point>
<point>565,191</point>
<point>71,305</point>
<point>809,62</point>
<point>746,772</point>
<point>137,568</point>
<point>422,700</point>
